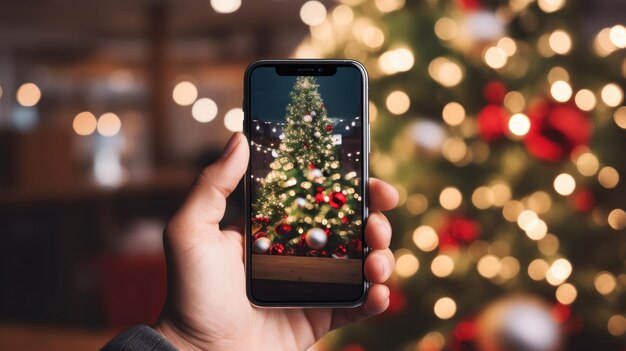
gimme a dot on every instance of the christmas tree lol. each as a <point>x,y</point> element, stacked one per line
<point>502,127</point>
<point>306,205</point>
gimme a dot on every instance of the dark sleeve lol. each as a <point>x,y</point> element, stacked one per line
<point>139,338</point>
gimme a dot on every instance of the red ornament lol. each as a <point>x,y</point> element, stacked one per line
<point>561,312</point>
<point>465,330</point>
<point>344,219</point>
<point>259,235</point>
<point>262,221</point>
<point>341,251</point>
<point>556,130</point>
<point>319,198</point>
<point>319,189</point>
<point>584,201</point>
<point>494,92</point>
<point>283,229</point>
<point>277,249</point>
<point>397,301</point>
<point>329,128</point>
<point>355,248</point>
<point>290,252</point>
<point>457,230</point>
<point>337,199</point>
<point>311,166</point>
<point>469,5</point>
<point>328,232</point>
<point>492,122</point>
<point>317,253</point>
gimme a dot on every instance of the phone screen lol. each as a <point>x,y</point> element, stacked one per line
<point>306,183</point>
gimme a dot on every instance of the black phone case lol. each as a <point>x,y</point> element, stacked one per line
<point>365,149</point>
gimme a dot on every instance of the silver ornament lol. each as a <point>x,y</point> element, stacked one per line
<point>308,118</point>
<point>315,173</point>
<point>261,245</point>
<point>316,238</point>
<point>313,113</point>
<point>317,134</point>
<point>300,202</point>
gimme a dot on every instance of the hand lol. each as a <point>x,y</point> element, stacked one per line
<point>207,307</point>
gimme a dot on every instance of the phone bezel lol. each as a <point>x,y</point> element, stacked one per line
<point>365,150</point>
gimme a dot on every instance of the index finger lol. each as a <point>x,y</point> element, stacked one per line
<point>382,196</point>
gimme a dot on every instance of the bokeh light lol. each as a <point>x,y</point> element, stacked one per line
<point>560,42</point>
<point>617,219</point>
<point>85,123</point>
<point>445,308</point>
<point>204,110</point>
<point>550,6</point>
<point>612,95</point>
<point>519,124</point>
<point>585,100</point>
<point>28,94</point>
<point>425,238</point>
<point>605,283</point>
<point>398,102</point>
<point>313,13</point>
<point>450,198</point>
<point>225,6</point>
<point>566,293</point>
<point>445,71</point>
<point>406,263</point>
<point>109,124</point>
<point>185,93</point>
<point>564,184</point>
<point>561,91</point>
<point>442,266</point>
<point>453,113</point>
<point>608,177</point>
<point>233,120</point>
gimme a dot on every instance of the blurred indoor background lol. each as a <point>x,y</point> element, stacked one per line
<point>501,123</point>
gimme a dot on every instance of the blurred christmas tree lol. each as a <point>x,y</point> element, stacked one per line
<point>502,127</point>
<point>305,205</point>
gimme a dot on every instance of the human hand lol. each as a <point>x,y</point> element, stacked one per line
<point>207,307</point>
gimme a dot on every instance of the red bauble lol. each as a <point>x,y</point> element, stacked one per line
<point>492,122</point>
<point>458,230</point>
<point>556,130</point>
<point>344,220</point>
<point>494,92</point>
<point>319,189</point>
<point>259,235</point>
<point>397,301</point>
<point>561,312</point>
<point>277,249</point>
<point>290,252</point>
<point>469,5</point>
<point>262,221</point>
<point>311,166</point>
<point>337,199</point>
<point>355,247</point>
<point>317,253</point>
<point>329,128</point>
<point>328,232</point>
<point>465,330</point>
<point>584,201</point>
<point>283,229</point>
<point>319,198</point>
<point>341,251</point>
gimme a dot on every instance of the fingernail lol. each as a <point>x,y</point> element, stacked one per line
<point>232,143</point>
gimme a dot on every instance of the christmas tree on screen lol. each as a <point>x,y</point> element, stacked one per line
<point>306,205</point>
<point>501,123</point>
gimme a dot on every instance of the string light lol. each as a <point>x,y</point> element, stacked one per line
<point>233,120</point>
<point>587,164</point>
<point>313,13</point>
<point>507,45</point>
<point>509,267</point>
<point>425,238</point>
<point>343,15</point>
<point>398,102</point>
<point>560,42</point>
<point>225,6</point>
<point>549,245</point>
<point>585,100</point>
<point>495,57</point>
<point>386,6</point>
<point>416,204</point>
<point>608,177</point>
<point>185,93</point>
<point>620,117</point>
<point>617,325</point>
<point>488,266</point>
<point>617,35</point>
<point>617,219</point>
<point>450,198</point>
<point>204,110</point>
<point>519,124</point>
<point>557,73</point>
<point>28,94</point>
<point>85,123</point>
<point>445,308</point>
<point>514,102</point>
<point>453,113</point>
<point>445,71</point>
<point>559,271</point>
<point>549,6</point>
<point>612,95</point>
<point>605,283</point>
<point>442,266</point>
<point>396,60</point>
<point>564,184</point>
<point>602,45</point>
<point>566,293</point>
<point>109,124</point>
<point>561,91</point>
<point>537,269</point>
<point>406,263</point>
<point>446,28</point>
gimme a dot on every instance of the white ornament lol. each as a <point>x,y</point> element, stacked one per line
<point>308,118</point>
<point>315,173</point>
<point>261,245</point>
<point>316,238</point>
<point>317,134</point>
<point>313,113</point>
<point>300,202</point>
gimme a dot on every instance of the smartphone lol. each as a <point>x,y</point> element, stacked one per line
<point>306,186</point>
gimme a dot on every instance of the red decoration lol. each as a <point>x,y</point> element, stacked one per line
<point>341,251</point>
<point>319,198</point>
<point>328,232</point>
<point>494,92</point>
<point>319,189</point>
<point>465,330</point>
<point>290,252</point>
<point>355,247</point>
<point>277,249</point>
<point>283,229</point>
<point>329,128</point>
<point>337,199</point>
<point>556,130</point>
<point>311,166</point>
<point>492,122</point>
<point>344,220</point>
<point>262,221</point>
<point>323,106</point>
<point>397,301</point>
<point>584,201</point>
<point>469,5</point>
<point>457,230</point>
<point>259,235</point>
<point>317,253</point>
<point>561,312</point>
<point>353,347</point>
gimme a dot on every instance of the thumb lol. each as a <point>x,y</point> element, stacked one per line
<point>206,203</point>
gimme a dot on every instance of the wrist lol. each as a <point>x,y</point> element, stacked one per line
<point>175,336</point>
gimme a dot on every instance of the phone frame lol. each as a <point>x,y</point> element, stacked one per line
<point>365,150</point>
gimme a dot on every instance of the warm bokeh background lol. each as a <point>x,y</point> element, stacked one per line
<point>500,122</point>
